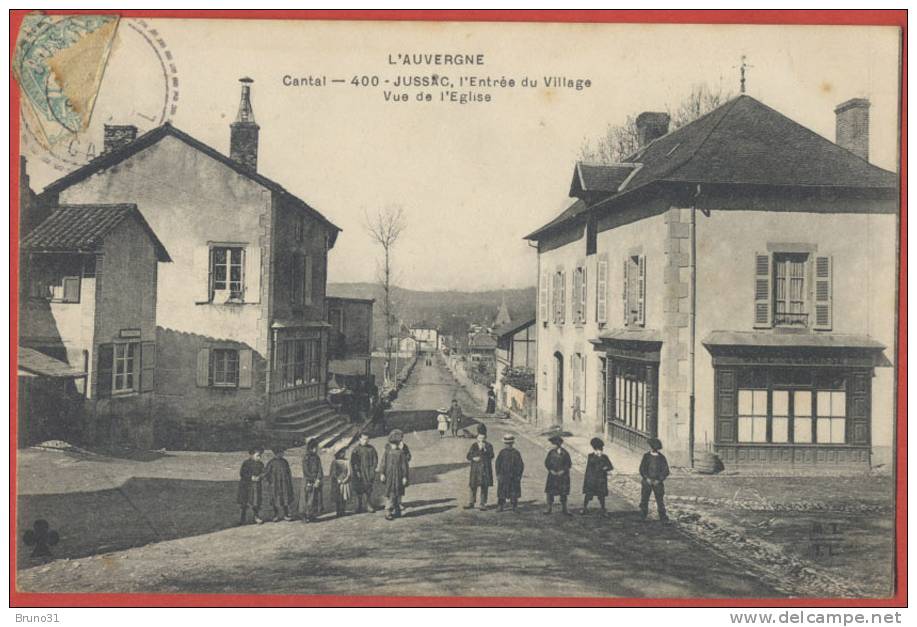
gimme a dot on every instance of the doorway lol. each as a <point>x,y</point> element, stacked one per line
<point>559,388</point>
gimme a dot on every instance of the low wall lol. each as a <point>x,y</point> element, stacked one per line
<point>458,368</point>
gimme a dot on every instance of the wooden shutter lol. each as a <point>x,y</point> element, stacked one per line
<point>555,296</point>
<point>252,277</point>
<point>763,290</point>
<point>147,365</point>
<point>641,290</point>
<point>575,298</point>
<point>203,368</point>
<point>601,292</point>
<point>562,301</point>
<point>200,274</point>
<point>725,430</point>
<point>104,371</point>
<point>307,279</point>
<point>823,288</point>
<point>583,295</point>
<point>543,298</point>
<point>245,368</point>
<point>625,273</point>
<point>71,291</point>
<point>859,385</point>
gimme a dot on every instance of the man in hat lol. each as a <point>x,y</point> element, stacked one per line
<point>455,417</point>
<point>363,462</point>
<point>509,469</point>
<point>310,497</point>
<point>279,480</point>
<point>481,455</point>
<point>558,463</point>
<point>654,468</point>
<point>393,473</point>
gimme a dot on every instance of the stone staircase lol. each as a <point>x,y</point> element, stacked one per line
<point>297,424</point>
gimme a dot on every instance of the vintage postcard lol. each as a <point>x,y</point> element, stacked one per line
<point>522,307</point>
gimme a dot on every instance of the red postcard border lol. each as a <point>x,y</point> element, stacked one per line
<point>710,16</point>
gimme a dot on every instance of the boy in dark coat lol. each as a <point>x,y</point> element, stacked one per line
<point>279,481</point>
<point>455,417</point>
<point>654,468</point>
<point>250,485</point>
<point>491,401</point>
<point>393,473</point>
<point>310,498</point>
<point>363,463</point>
<point>595,481</point>
<point>509,469</point>
<point>481,455</point>
<point>558,463</point>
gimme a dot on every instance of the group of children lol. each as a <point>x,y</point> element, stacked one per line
<point>509,468</point>
<point>357,476</point>
<point>277,477</point>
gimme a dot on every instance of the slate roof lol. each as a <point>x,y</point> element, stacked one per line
<point>743,142</point>
<point>599,178</point>
<point>83,229</point>
<point>483,340</point>
<point>149,138</point>
<point>513,327</point>
<point>35,363</point>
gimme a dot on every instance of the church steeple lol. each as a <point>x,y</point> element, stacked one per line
<point>502,315</point>
<point>243,134</point>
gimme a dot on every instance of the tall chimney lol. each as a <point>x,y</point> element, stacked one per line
<point>117,136</point>
<point>243,135</point>
<point>852,131</point>
<point>651,125</point>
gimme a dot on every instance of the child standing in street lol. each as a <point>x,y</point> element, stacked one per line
<point>279,480</point>
<point>310,498</point>
<point>595,481</point>
<point>250,485</point>
<point>340,481</point>
<point>558,463</point>
<point>509,469</point>
<point>442,422</point>
<point>654,468</point>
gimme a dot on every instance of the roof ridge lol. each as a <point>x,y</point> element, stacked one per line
<point>731,104</point>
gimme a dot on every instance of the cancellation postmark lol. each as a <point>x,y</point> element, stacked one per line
<point>78,73</point>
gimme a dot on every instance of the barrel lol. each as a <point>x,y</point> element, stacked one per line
<point>707,463</point>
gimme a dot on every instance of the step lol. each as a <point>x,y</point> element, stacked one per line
<point>300,421</point>
<point>300,408</point>
<point>312,427</point>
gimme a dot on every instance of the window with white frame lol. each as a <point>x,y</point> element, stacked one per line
<point>224,367</point>
<point>793,289</point>
<point>226,272</point>
<point>630,398</point>
<point>124,372</point>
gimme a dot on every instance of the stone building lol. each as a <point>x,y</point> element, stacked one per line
<point>731,285</point>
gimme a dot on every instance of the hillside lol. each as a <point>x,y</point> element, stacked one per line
<point>449,311</point>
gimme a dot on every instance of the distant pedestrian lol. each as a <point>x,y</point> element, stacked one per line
<point>363,462</point>
<point>509,469</point>
<point>250,485</point>
<point>442,421</point>
<point>595,481</point>
<point>310,496</point>
<point>341,477</point>
<point>455,417</point>
<point>279,481</point>
<point>654,468</point>
<point>491,401</point>
<point>394,470</point>
<point>558,463</point>
<point>481,476</point>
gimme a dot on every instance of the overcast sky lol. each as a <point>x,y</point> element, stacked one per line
<point>474,179</point>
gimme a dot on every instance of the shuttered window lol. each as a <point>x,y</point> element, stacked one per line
<point>635,290</point>
<point>578,298</point>
<point>601,292</point>
<point>224,367</point>
<point>543,290</point>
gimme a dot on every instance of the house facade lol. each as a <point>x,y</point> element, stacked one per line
<point>427,339</point>
<point>730,287</point>
<point>516,358</point>
<point>351,335</point>
<point>241,323</point>
<point>87,329</point>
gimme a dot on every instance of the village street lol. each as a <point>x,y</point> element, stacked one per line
<point>167,524</point>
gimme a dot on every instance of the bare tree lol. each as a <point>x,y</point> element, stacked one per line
<point>384,228</point>
<point>620,140</point>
